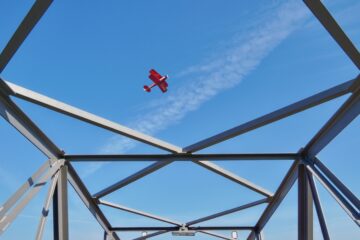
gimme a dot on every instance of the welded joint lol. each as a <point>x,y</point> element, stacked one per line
<point>52,161</point>
<point>356,85</point>
<point>109,237</point>
<point>96,200</point>
<point>270,199</point>
<point>4,88</point>
<point>257,233</point>
<point>308,161</point>
<point>62,152</point>
<point>304,158</point>
<point>62,162</point>
<point>58,163</point>
<point>256,229</point>
<point>260,236</point>
<point>184,231</point>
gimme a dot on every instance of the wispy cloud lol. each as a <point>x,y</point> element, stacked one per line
<point>8,180</point>
<point>225,71</point>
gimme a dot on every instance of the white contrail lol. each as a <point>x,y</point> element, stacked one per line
<point>226,71</point>
<point>8,180</point>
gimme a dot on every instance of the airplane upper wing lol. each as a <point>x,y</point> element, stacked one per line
<point>154,76</point>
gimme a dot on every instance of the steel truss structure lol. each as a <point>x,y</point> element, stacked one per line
<point>58,170</point>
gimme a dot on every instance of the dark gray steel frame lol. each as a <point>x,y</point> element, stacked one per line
<point>58,169</point>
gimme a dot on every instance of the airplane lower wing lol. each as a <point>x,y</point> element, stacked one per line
<point>163,86</point>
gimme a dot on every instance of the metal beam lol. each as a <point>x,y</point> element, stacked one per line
<point>318,207</point>
<point>24,188</point>
<point>259,236</point>
<point>216,235</point>
<point>173,222</point>
<point>60,206</point>
<point>160,164</point>
<point>24,125</point>
<point>85,196</point>
<point>344,190</point>
<point>348,208</point>
<point>223,213</point>
<point>18,119</point>
<point>28,23</point>
<point>197,228</point>
<point>340,120</point>
<point>45,210</point>
<point>136,176</point>
<point>15,211</point>
<point>231,176</point>
<point>157,165</point>
<point>154,234</point>
<point>274,116</point>
<point>181,157</point>
<point>279,195</point>
<point>82,115</point>
<point>329,23</point>
<point>305,206</point>
<point>141,213</point>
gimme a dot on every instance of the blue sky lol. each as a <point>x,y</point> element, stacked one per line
<point>228,63</point>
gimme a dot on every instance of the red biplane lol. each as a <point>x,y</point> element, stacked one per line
<point>158,80</point>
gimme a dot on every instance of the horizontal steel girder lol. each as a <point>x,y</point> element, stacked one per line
<point>216,235</point>
<point>181,157</point>
<point>202,228</point>
<point>150,235</point>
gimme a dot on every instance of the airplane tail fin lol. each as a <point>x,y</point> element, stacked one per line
<point>147,88</point>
